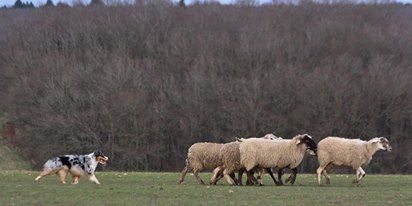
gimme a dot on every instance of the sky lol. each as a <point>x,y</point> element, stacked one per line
<point>41,2</point>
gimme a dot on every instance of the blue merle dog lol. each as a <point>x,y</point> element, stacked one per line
<point>77,165</point>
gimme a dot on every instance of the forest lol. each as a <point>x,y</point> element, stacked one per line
<point>143,82</point>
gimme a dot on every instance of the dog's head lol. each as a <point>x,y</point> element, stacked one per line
<point>100,157</point>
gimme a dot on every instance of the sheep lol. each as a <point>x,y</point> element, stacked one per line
<point>268,136</point>
<point>229,155</point>
<point>347,152</point>
<point>281,153</point>
<point>201,155</point>
<point>230,159</point>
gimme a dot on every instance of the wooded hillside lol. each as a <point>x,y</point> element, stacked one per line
<point>142,83</point>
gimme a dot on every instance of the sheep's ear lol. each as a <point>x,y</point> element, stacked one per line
<point>375,140</point>
<point>384,139</point>
<point>299,140</point>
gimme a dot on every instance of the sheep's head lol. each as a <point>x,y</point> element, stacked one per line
<point>271,137</point>
<point>310,145</point>
<point>382,142</point>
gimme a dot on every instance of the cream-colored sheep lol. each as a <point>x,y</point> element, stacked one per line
<point>268,136</point>
<point>281,153</point>
<point>230,159</point>
<point>347,152</point>
<point>230,156</point>
<point>200,156</point>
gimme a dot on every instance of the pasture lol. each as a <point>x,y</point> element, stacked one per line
<point>136,188</point>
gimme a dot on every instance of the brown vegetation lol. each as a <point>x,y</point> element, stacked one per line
<point>143,83</point>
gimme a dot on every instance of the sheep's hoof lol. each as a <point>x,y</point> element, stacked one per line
<point>279,184</point>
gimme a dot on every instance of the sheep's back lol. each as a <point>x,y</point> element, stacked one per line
<point>205,153</point>
<point>340,151</point>
<point>230,156</point>
<point>262,152</point>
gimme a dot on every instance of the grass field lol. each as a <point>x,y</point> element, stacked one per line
<point>119,188</point>
<point>10,160</point>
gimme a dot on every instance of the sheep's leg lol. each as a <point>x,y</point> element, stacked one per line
<point>280,173</point>
<point>254,180</point>
<point>362,173</point>
<point>227,175</point>
<point>233,176</point>
<point>292,176</point>
<point>260,177</point>
<point>289,178</point>
<point>325,172</point>
<point>319,172</point>
<point>182,176</point>
<point>269,171</point>
<point>329,167</point>
<point>217,174</point>
<point>196,173</point>
<point>327,177</point>
<point>251,180</point>
<point>294,173</point>
<point>356,180</point>
<point>359,174</point>
<point>239,177</point>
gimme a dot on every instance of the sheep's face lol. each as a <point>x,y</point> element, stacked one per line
<point>381,143</point>
<point>310,145</point>
<point>384,144</point>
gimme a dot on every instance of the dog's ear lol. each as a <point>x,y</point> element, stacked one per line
<point>98,153</point>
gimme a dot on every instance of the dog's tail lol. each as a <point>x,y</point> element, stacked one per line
<point>53,163</point>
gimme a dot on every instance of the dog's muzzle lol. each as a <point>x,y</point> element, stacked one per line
<point>103,160</point>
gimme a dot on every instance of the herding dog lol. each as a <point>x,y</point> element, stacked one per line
<point>77,165</point>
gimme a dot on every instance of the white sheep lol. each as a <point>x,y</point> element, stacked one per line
<point>230,159</point>
<point>200,156</point>
<point>280,153</point>
<point>347,152</point>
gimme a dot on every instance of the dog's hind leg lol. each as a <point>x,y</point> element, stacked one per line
<point>45,172</point>
<point>75,179</point>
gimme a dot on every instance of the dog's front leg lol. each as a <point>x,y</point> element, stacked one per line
<point>92,178</point>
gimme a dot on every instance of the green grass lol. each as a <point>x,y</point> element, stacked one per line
<point>10,160</point>
<point>119,188</point>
